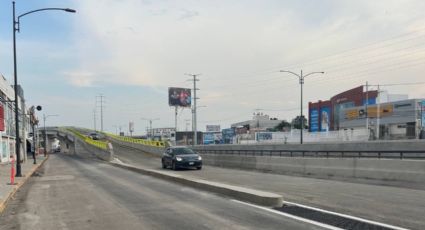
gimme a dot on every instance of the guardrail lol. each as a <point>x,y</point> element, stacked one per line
<point>160,144</point>
<point>408,154</point>
<point>99,144</point>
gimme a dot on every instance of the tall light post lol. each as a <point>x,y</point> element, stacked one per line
<point>45,131</point>
<point>301,77</point>
<point>16,27</point>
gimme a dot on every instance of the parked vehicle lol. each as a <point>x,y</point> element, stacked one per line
<point>181,157</point>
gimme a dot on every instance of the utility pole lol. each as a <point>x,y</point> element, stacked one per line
<point>101,97</point>
<point>301,78</point>
<point>377,115</point>
<point>195,132</point>
<point>366,112</point>
<point>94,119</point>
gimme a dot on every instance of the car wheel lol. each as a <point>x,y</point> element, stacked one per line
<point>199,168</point>
<point>163,165</point>
<point>173,166</point>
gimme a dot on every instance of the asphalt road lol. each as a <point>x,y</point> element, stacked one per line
<point>398,206</point>
<point>71,192</point>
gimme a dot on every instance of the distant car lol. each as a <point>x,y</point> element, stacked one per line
<point>94,136</point>
<point>57,149</point>
<point>181,157</point>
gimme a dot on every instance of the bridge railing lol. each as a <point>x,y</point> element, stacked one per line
<point>398,154</point>
<point>160,144</point>
<point>97,143</point>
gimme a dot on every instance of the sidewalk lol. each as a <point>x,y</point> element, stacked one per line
<point>7,191</point>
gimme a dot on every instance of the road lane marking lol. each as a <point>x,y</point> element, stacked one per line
<point>289,216</point>
<point>347,216</point>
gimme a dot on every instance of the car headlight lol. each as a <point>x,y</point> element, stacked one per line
<point>179,159</point>
<point>199,158</point>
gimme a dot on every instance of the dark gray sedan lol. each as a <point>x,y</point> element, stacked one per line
<point>181,157</point>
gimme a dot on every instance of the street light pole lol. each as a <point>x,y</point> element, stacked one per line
<point>16,26</point>
<point>15,76</point>
<point>301,78</point>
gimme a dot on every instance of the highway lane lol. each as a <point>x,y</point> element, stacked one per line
<point>71,192</point>
<point>393,205</point>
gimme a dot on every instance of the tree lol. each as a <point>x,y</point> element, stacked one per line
<point>283,126</point>
<point>296,123</point>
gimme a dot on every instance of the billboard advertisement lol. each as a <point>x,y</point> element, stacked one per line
<point>212,138</point>
<point>423,113</point>
<point>213,128</point>
<point>314,120</point>
<point>179,97</point>
<point>325,117</point>
<point>264,136</point>
<point>228,135</point>
<point>208,138</point>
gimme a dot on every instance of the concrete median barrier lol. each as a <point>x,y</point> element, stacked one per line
<point>244,194</point>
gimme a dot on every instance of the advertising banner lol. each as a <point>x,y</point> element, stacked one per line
<point>314,120</point>
<point>423,114</point>
<point>228,135</point>
<point>2,128</point>
<point>179,97</point>
<point>324,119</point>
<point>264,136</point>
<point>208,138</point>
<point>213,128</point>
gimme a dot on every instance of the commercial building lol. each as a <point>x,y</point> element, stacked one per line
<point>324,115</point>
<point>7,121</point>
<point>391,120</point>
<point>259,122</point>
<point>381,115</point>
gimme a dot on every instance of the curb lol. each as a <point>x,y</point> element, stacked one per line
<point>3,203</point>
<point>240,193</point>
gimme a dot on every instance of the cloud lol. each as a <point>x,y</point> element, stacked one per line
<point>239,47</point>
<point>80,79</point>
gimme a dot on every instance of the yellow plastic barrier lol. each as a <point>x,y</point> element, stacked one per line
<point>159,144</point>
<point>99,144</point>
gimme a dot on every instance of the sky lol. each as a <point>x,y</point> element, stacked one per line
<point>131,51</point>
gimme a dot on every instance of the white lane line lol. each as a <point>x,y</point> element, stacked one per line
<point>290,216</point>
<point>348,216</point>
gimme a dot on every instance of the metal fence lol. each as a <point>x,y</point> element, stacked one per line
<point>398,154</point>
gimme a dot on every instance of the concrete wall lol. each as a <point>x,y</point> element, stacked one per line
<point>77,146</point>
<point>157,151</point>
<point>412,145</point>
<point>361,168</point>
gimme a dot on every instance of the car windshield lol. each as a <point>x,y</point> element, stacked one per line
<point>183,151</point>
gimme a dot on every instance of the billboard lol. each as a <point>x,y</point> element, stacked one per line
<point>372,111</point>
<point>179,97</point>
<point>2,128</point>
<point>228,135</point>
<point>423,113</point>
<point>325,116</point>
<point>262,136</point>
<point>213,128</point>
<point>314,120</point>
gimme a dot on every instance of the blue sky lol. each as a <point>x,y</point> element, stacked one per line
<point>131,51</point>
